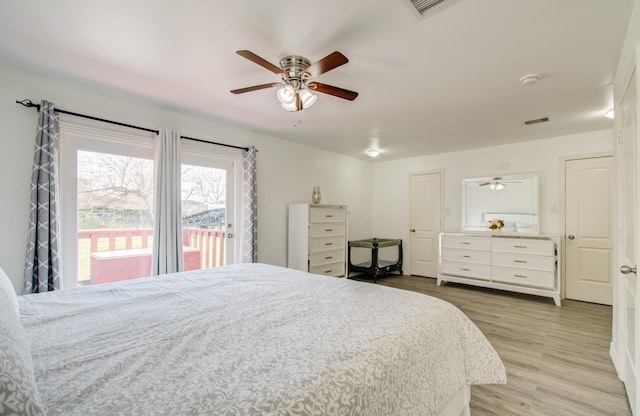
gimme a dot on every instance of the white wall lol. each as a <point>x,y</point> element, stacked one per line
<point>391,195</point>
<point>286,172</point>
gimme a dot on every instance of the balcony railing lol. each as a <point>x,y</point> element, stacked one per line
<point>210,245</point>
<point>210,242</point>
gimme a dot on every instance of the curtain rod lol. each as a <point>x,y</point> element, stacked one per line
<point>29,104</point>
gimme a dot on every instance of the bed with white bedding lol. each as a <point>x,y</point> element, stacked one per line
<point>250,339</point>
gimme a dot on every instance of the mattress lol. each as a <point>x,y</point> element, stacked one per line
<point>251,339</point>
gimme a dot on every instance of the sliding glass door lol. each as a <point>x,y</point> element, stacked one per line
<point>107,205</point>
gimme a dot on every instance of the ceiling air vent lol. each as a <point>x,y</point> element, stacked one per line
<point>536,121</point>
<point>427,7</point>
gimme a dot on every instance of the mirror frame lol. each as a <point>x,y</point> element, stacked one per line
<point>533,216</point>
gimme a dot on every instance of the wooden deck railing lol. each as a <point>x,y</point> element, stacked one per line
<point>210,242</point>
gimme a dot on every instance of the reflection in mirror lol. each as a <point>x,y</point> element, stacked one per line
<point>510,198</point>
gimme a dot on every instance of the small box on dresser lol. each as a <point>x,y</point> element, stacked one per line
<point>318,239</point>
<point>525,264</point>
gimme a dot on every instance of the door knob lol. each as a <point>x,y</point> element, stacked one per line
<point>571,237</point>
<point>413,230</point>
<point>229,235</point>
<point>627,269</point>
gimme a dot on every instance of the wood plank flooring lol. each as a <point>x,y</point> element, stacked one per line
<point>557,358</point>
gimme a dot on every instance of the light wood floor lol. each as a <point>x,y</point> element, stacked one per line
<point>557,358</point>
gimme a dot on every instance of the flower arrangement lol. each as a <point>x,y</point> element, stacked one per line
<point>496,224</point>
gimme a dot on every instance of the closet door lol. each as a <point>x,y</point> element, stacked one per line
<point>626,321</point>
<point>589,229</point>
<point>425,222</point>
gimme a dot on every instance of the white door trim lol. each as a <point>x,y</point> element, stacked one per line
<point>407,239</point>
<point>562,198</point>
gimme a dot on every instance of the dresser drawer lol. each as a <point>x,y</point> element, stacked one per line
<point>326,230</point>
<point>524,261</point>
<point>326,257</point>
<point>466,256</point>
<point>332,269</point>
<point>476,271</point>
<point>326,215</point>
<point>523,245</point>
<point>326,243</point>
<point>466,242</point>
<point>522,277</point>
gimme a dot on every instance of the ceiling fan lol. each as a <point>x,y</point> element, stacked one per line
<point>496,183</point>
<point>297,75</point>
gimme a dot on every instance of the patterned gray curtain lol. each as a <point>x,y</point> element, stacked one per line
<point>249,242</point>
<point>42,269</point>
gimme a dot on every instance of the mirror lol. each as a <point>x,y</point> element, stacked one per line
<point>510,198</point>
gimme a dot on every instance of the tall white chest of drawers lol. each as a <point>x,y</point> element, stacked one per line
<point>318,239</point>
<point>507,262</point>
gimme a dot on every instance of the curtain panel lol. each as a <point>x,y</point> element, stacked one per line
<point>249,242</point>
<point>167,234</point>
<point>42,266</point>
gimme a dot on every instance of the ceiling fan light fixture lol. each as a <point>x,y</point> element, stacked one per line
<point>496,186</point>
<point>289,107</point>
<point>287,96</point>
<point>307,98</point>
<point>372,152</point>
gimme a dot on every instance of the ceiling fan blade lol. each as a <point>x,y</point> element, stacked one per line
<point>484,184</point>
<point>260,61</point>
<point>331,90</point>
<point>254,88</point>
<point>325,64</point>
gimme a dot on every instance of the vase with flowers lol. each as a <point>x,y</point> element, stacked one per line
<point>496,225</point>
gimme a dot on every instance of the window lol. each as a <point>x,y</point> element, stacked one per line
<point>107,205</point>
<point>114,216</point>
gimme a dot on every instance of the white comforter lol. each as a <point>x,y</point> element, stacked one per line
<point>251,339</point>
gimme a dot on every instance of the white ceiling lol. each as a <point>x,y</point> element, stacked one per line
<point>429,85</point>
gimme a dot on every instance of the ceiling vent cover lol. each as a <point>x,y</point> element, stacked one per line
<point>427,7</point>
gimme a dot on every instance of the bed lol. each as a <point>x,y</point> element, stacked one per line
<point>249,339</point>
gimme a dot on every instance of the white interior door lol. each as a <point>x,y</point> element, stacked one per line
<point>425,223</point>
<point>626,319</point>
<point>589,229</point>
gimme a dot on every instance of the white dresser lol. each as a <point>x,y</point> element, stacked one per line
<point>318,239</point>
<point>501,261</point>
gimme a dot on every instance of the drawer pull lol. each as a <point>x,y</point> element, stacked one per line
<point>328,257</point>
<point>516,246</point>
<point>329,229</point>
<point>328,271</point>
<point>520,261</point>
<point>328,216</point>
<point>328,244</point>
<point>466,257</point>
<point>465,270</point>
<point>520,276</point>
<point>465,243</point>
